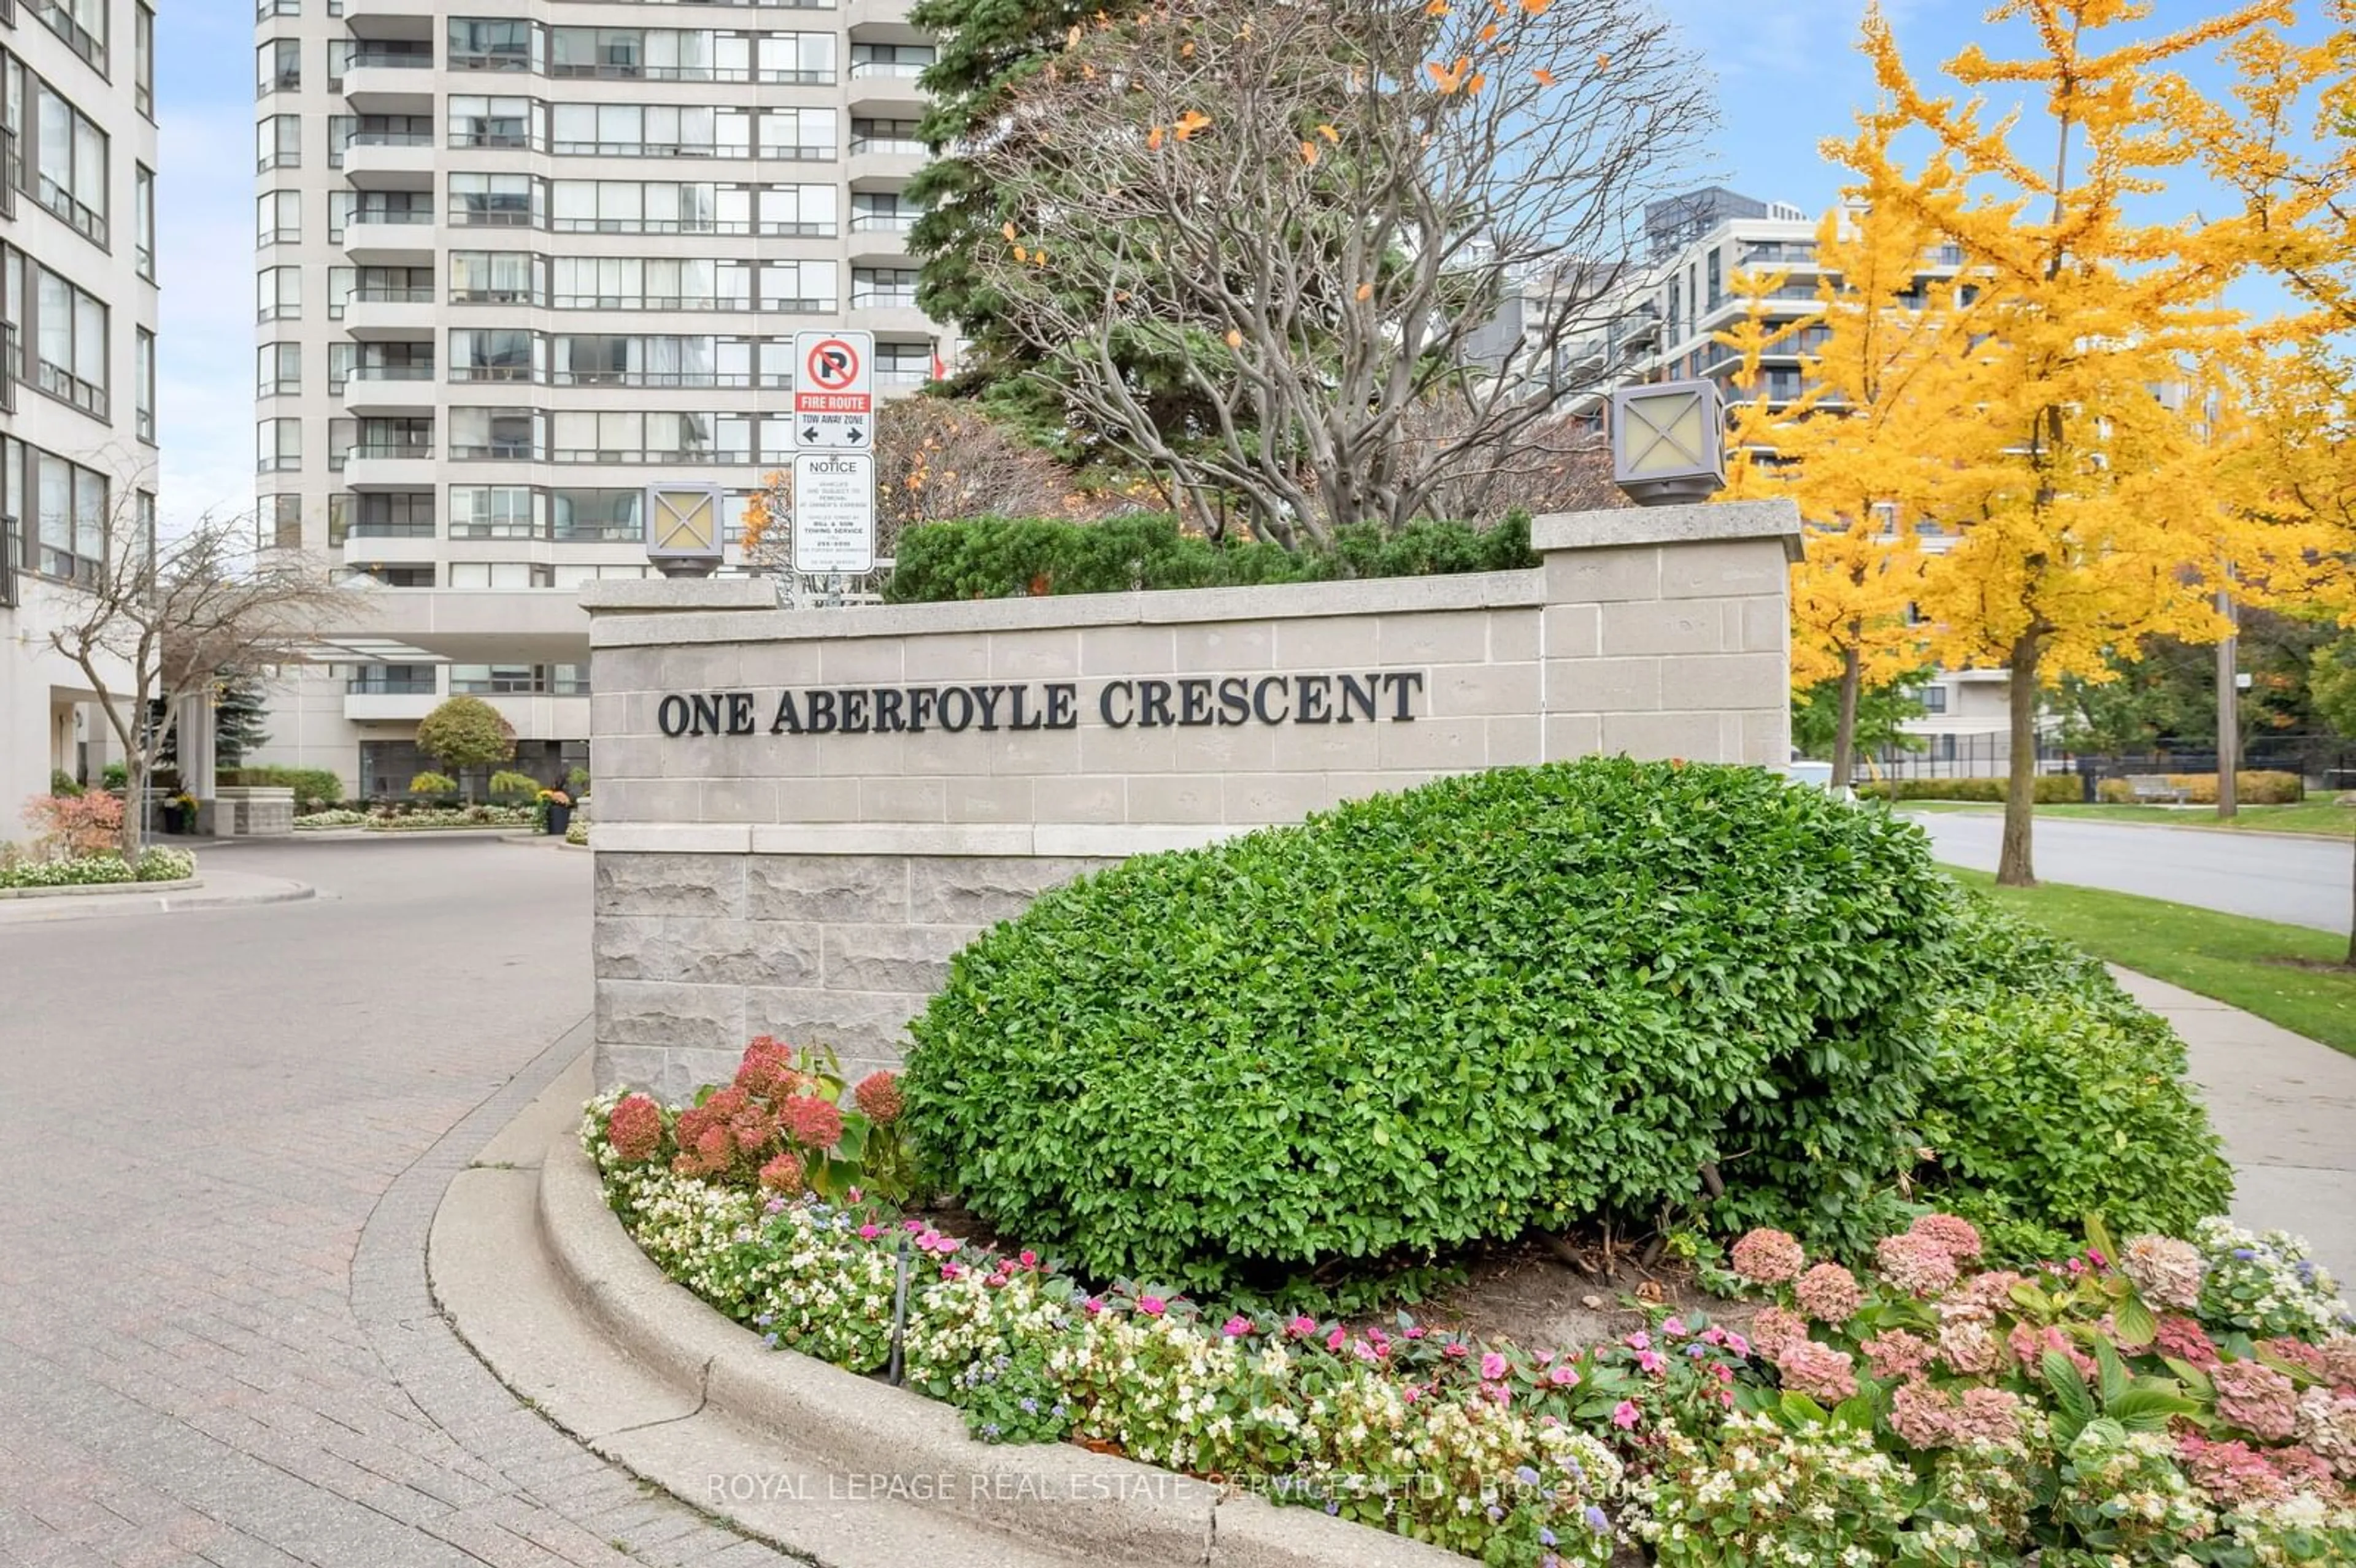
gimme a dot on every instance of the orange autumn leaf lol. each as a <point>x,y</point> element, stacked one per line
<point>1489,33</point>
<point>1473,86</point>
<point>1537,8</point>
<point>1007,229</point>
<point>1602,60</point>
<point>1021,256</point>
<point>1365,291</point>
<point>1437,8</point>
<point>1309,153</point>
<point>1450,78</point>
<point>1330,133</point>
<point>1190,123</point>
<point>1154,140</point>
<point>1234,338</point>
<point>1545,77</point>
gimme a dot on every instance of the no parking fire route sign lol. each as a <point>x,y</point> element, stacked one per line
<point>834,390</point>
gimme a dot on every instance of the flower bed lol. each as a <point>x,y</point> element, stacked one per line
<point>157,864</point>
<point>2170,1402</point>
<point>385,819</point>
<point>578,831</point>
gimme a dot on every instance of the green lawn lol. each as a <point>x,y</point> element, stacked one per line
<point>2308,817</point>
<point>2226,957</point>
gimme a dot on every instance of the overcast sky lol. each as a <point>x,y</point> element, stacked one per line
<point>1788,71</point>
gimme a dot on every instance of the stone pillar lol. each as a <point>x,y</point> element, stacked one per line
<point>194,738</point>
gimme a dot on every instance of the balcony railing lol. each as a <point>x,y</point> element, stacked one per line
<point>391,528</point>
<point>388,59</point>
<point>389,685</point>
<point>391,215</point>
<point>392,373</point>
<point>906,70</point>
<point>391,139</point>
<point>12,559</point>
<point>380,451</point>
<point>415,293</point>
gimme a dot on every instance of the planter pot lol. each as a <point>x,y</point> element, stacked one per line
<point>560,817</point>
<point>175,819</point>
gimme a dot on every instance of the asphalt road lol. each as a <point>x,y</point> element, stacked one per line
<point>2279,877</point>
<point>226,1133</point>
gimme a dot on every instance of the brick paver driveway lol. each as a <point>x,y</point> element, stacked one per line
<point>222,1137</point>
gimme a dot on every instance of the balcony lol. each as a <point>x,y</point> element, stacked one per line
<point>890,315</point>
<point>389,546</point>
<point>390,160</point>
<point>880,238</point>
<point>881,22</point>
<point>389,84</point>
<point>391,315</point>
<point>391,390</point>
<point>392,239</point>
<point>392,465</point>
<point>377,701</point>
<point>406,20</point>
<point>886,89</point>
<point>882,166</point>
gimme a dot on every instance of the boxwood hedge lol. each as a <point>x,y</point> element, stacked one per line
<point>1534,996</point>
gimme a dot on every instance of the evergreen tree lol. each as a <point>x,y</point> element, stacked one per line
<point>239,710</point>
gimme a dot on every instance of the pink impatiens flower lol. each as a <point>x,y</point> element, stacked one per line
<point>1153,1305</point>
<point>1624,1416</point>
<point>1492,1367</point>
<point>1236,1328</point>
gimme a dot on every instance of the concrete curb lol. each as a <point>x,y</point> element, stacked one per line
<point>294,893</point>
<point>1978,808</point>
<point>1113,1510</point>
<point>103,890</point>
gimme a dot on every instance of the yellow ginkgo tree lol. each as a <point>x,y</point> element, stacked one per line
<point>1366,235</point>
<point>1884,361</point>
<point>2085,483</point>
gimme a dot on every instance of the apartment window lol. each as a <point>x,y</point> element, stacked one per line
<point>70,516</point>
<point>495,277</point>
<point>880,288</point>
<point>69,158</point>
<point>628,436</point>
<point>1933,698</point>
<point>493,201</point>
<point>649,130</point>
<point>376,54</point>
<point>882,212</point>
<point>142,195</point>
<point>494,512</point>
<point>339,513</point>
<point>279,369</point>
<point>801,133</point>
<point>898,136</point>
<point>1717,289</point>
<point>284,514</point>
<point>476,121</point>
<point>280,67</point>
<point>485,44</point>
<point>407,514</point>
<point>803,59</point>
<point>278,217</point>
<point>341,358</point>
<point>143,50</point>
<point>775,363</point>
<point>798,285</point>
<point>494,434</point>
<point>497,574</point>
<point>278,294</point>
<point>604,516</point>
<point>277,445</point>
<point>389,130</point>
<point>393,362</point>
<point>495,354</point>
<point>412,207</point>
<point>649,206</point>
<point>398,576</point>
<point>809,209</point>
<point>82,24</point>
<point>143,385</point>
<point>69,343</point>
<point>404,436</point>
<point>890,59</point>
<point>630,283</point>
<point>391,680</point>
<point>343,435</point>
<point>278,142</point>
<point>903,364</point>
<point>649,54</point>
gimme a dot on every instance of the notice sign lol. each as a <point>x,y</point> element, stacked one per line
<point>834,390</point>
<point>834,513</point>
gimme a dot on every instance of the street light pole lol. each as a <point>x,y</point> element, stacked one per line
<point>2228,712</point>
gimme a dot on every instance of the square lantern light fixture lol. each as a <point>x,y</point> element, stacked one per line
<point>683,529</point>
<point>1668,441</point>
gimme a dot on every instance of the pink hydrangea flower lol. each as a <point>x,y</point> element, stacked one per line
<point>2029,1345</point>
<point>2168,1272</point>
<point>1950,1234</point>
<point>1968,1345</point>
<point>2257,1398</point>
<point>2232,1473</point>
<point>2186,1341</point>
<point>634,1126</point>
<point>1897,1353</point>
<point>1773,1329</point>
<point>1915,1265</point>
<point>1829,1294</point>
<point>2325,1422</point>
<point>1817,1370</point>
<point>1768,1257</point>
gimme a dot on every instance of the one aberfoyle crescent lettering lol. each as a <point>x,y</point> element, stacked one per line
<point>1188,702</point>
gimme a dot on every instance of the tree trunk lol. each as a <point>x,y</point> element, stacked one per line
<point>2013,868</point>
<point>134,802</point>
<point>1844,725</point>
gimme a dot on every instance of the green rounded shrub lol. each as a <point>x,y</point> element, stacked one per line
<point>2054,1096</point>
<point>1526,996</point>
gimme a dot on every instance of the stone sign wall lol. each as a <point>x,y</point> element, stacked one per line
<point>801,815</point>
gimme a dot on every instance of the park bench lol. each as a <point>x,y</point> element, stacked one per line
<point>2155,786</point>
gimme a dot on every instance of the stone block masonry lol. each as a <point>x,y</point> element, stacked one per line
<point>802,815</point>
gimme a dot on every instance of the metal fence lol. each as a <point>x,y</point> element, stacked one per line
<point>2324,762</point>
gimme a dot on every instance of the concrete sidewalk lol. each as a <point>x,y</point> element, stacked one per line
<point>2285,1106</point>
<point>216,889</point>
